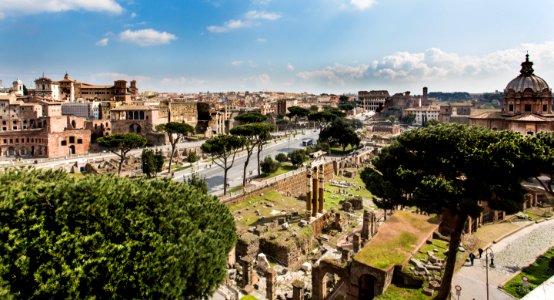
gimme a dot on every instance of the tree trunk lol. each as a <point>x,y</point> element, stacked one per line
<point>248,154</point>
<point>225,180</point>
<point>385,214</point>
<point>171,157</point>
<point>122,159</point>
<point>455,239</point>
<point>260,146</point>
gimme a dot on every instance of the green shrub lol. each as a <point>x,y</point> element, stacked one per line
<point>268,165</point>
<point>281,157</point>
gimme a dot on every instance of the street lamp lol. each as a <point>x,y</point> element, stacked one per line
<point>487,250</point>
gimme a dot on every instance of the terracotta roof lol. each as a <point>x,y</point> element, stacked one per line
<point>486,115</point>
<point>133,107</point>
<point>528,118</point>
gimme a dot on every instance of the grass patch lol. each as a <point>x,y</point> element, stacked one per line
<point>536,273</point>
<point>248,297</point>
<point>177,168</point>
<point>394,293</point>
<point>235,189</point>
<point>396,239</point>
<point>488,233</point>
<point>284,168</point>
<point>391,252</point>
<point>442,246</point>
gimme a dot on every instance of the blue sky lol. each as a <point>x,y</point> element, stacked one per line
<point>317,46</point>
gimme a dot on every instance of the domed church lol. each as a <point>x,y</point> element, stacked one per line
<point>527,105</point>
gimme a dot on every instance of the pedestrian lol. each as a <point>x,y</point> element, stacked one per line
<point>471,258</point>
<point>480,252</point>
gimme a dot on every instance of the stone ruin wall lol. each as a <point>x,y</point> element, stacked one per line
<point>294,186</point>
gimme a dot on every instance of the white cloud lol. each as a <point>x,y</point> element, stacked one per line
<point>261,79</point>
<point>337,73</point>
<point>133,15</point>
<point>362,4</point>
<point>262,15</point>
<point>261,40</point>
<point>181,82</point>
<point>290,67</point>
<point>146,37</point>
<point>249,20</point>
<point>435,64</point>
<point>103,42</point>
<point>228,26</point>
<point>27,7</point>
<point>236,63</point>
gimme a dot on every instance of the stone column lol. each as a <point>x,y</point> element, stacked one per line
<point>298,290</point>
<point>365,226</point>
<point>309,194</point>
<point>270,284</point>
<point>345,254</point>
<point>314,197</point>
<point>247,273</point>
<point>356,242</point>
<point>321,195</point>
<point>374,224</point>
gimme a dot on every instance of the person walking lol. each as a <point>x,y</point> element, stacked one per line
<point>480,252</point>
<point>471,258</point>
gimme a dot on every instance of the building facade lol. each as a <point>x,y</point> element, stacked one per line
<point>38,129</point>
<point>372,100</point>
<point>527,106</point>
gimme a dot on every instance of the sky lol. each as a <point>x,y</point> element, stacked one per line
<point>315,46</point>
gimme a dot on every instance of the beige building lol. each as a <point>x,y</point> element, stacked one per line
<point>527,105</point>
<point>68,89</point>
<point>423,114</point>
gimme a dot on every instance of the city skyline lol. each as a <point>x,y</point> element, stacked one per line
<point>333,46</point>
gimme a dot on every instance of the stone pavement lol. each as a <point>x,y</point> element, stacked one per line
<point>510,255</point>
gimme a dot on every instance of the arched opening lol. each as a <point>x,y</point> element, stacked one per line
<point>72,149</point>
<point>329,282</point>
<point>11,151</point>
<point>134,128</point>
<point>73,124</point>
<point>93,138</point>
<point>32,150</point>
<point>367,287</point>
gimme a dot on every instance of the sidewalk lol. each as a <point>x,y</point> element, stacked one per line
<point>511,254</point>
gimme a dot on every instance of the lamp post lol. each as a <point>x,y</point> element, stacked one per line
<point>487,250</point>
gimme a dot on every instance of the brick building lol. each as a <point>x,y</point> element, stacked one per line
<point>37,128</point>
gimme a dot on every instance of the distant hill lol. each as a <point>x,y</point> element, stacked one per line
<point>451,97</point>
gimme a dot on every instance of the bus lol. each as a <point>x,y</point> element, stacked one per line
<point>307,142</point>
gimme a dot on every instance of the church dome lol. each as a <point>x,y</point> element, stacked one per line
<point>527,79</point>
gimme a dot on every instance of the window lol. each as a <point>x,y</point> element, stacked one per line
<point>79,141</point>
<point>14,127</point>
<point>72,140</point>
<point>64,143</point>
<point>527,107</point>
<point>511,107</point>
<point>544,107</point>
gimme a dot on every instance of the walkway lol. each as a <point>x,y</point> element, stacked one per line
<point>510,256</point>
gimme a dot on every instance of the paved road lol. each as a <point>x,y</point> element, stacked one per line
<point>510,256</point>
<point>214,175</point>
